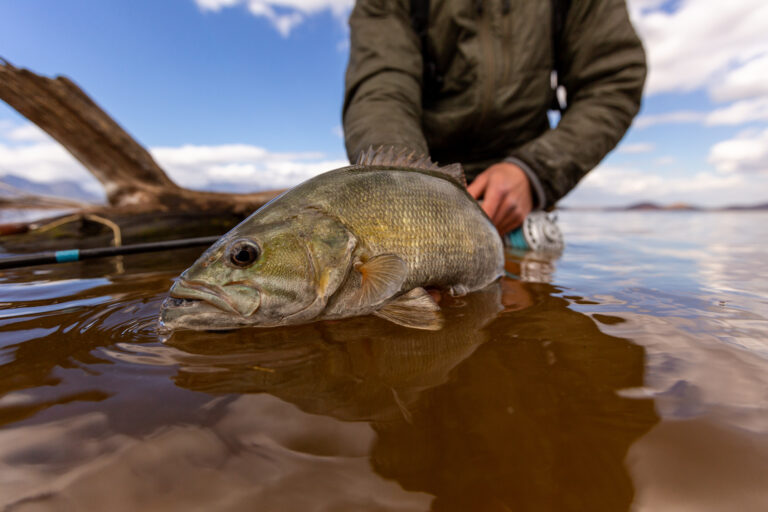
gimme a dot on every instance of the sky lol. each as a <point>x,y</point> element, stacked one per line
<point>246,94</point>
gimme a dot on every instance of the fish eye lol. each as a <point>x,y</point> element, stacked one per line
<point>243,253</point>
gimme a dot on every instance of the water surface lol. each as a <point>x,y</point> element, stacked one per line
<point>630,374</point>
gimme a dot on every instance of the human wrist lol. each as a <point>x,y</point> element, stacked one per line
<point>537,190</point>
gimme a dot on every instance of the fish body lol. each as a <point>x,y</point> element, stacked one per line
<point>367,238</point>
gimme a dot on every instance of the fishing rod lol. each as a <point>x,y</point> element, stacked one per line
<point>43,258</point>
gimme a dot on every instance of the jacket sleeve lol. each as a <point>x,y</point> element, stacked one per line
<point>382,100</point>
<point>604,72</point>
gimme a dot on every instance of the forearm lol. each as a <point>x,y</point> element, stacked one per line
<point>382,113</point>
<point>604,77</point>
<point>561,157</point>
<point>382,101</point>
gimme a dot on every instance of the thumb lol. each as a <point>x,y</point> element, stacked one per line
<point>477,187</point>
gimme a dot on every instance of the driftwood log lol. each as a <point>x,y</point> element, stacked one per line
<point>143,201</point>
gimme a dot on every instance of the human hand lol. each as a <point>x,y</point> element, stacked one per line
<point>507,195</point>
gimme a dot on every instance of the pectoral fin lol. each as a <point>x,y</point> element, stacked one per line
<point>381,278</point>
<point>415,309</point>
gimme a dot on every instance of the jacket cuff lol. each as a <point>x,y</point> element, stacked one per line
<point>539,198</point>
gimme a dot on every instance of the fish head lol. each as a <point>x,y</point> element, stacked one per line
<point>257,274</point>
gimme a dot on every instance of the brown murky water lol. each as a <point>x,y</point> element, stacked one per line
<point>631,374</point>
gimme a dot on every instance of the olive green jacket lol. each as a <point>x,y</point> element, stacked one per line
<point>496,64</point>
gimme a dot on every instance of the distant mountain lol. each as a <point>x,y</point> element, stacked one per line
<point>762,206</point>
<point>642,206</point>
<point>649,206</point>
<point>656,206</point>
<point>682,207</point>
<point>62,188</point>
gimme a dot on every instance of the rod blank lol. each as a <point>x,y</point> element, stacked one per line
<point>43,258</point>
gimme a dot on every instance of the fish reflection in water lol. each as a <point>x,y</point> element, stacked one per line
<point>536,407</point>
<point>361,369</point>
<point>494,412</point>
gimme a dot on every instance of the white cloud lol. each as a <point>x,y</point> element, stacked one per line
<point>747,152</point>
<point>739,113</point>
<point>43,162</point>
<point>285,23</point>
<point>665,160</point>
<point>747,81</point>
<point>697,44</point>
<point>27,133</point>
<point>343,45</point>
<point>702,45</point>
<point>680,116</point>
<point>247,168</point>
<point>215,5</point>
<point>240,167</point>
<point>610,185</point>
<point>230,167</point>
<point>740,177</point>
<point>638,147</point>
<point>30,153</point>
<point>646,5</point>
<point>284,15</point>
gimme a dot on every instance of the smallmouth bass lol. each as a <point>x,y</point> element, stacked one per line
<point>363,239</point>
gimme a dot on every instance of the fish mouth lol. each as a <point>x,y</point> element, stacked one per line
<point>199,306</point>
<point>191,290</point>
<point>196,314</point>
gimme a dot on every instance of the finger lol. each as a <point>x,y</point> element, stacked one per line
<point>506,207</point>
<point>511,223</point>
<point>513,217</point>
<point>435,294</point>
<point>493,199</point>
<point>509,216</point>
<point>477,187</point>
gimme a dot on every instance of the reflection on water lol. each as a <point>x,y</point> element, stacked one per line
<point>531,421</point>
<point>616,381</point>
<point>350,370</point>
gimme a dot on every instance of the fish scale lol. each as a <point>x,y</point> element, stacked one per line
<point>357,240</point>
<point>411,213</point>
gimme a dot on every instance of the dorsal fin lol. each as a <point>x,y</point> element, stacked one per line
<point>404,157</point>
<point>456,172</point>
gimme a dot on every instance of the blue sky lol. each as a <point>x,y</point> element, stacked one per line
<point>173,74</point>
<point>246,94</point>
